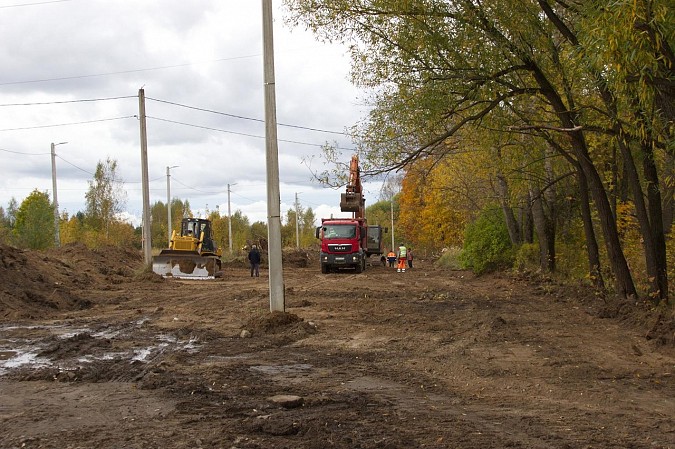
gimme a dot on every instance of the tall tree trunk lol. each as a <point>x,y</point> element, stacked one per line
<point>527,221</point>
<point>509,216</point>
<point>592,249</point>
<point>650,221</point>
<point>656,223</point>
<point>543,229</point>
<point>623,279</point>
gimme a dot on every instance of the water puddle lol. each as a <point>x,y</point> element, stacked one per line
<point>20,346</point>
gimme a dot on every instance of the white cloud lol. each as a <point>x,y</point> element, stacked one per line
<point>204,53</point>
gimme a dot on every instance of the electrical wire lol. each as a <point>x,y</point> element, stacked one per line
<point>243,117</point>
<point>69,124</point>
<point>26,154</point>
<point>71,164</point>
<point>86,100</point>
<point>121,72</point>
<point>235,132</point>
<point>18,5</point>
<point>240,117</point>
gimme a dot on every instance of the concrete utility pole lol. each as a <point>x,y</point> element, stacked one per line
<point>277,300</point>
<point>147,235</point>
<point>168,199</point>
<point>297,226</point>
<point>57,238</point>
<point>229,218</point>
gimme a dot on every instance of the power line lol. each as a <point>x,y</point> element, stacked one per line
<point>26,154</point>
<point>34,4</point>
<point>244,118</point>
<point>68,124</point>
<point>122,72</point>
<point>79,168</point>
<point>173,178</point>
<point>68,101</point>
<point>235,132</point>
<point>241,117</point>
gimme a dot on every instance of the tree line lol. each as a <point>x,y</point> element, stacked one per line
<point>525,130</point>
<point>31,224</point>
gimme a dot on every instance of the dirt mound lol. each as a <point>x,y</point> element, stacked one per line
<point>283,326</point>
<point>38,284</point>
<point>273,322</point>
<point>32,286</point>
<point>296,258</point>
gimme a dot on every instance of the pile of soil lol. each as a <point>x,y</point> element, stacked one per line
<point>37,284</point>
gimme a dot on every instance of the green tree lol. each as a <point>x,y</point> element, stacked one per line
<point>487,245</point>
<point>159,216</point>
<point>105,198</point>
<point>34,226</point>
<point>445,71</point>
<point>7,220</point>
<point>305,228</point>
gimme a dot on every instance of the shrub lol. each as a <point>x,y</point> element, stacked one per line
<point>450,259</point>
<point>527,257</point>
<point>487,246</point>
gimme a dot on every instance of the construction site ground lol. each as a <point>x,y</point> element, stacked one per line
<point>97,353</point>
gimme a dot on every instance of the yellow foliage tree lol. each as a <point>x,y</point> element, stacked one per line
<point>439,197</point>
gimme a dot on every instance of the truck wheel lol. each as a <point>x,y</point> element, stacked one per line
<point>358,268</point>
<point>324,268</point>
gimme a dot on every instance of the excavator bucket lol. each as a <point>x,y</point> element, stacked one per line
<point>350,202</point>
<point>186,265</point>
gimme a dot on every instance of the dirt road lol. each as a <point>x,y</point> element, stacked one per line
<point>97,356</point>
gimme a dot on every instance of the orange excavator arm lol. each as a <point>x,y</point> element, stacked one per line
<point>352,200</point>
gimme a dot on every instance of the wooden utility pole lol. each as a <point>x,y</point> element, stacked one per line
<point>277,300</point>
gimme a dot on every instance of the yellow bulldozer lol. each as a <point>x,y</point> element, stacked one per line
<point>192,252</point>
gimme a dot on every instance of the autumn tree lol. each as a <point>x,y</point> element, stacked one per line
<point>441,70</point>
<point>305,227</point>
<point>159,216</point>
<point>105,198</point>
<point>73,228</point>
<point>34,227</point>
<point>7,221</point>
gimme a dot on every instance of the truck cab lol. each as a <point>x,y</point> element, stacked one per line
<point>343,244</point>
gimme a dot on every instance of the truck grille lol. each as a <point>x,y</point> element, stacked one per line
<point>345,248</point>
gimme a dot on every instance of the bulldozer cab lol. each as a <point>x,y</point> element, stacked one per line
<point>198,229</point>
<point>192,227</point>
<point>192,254</point>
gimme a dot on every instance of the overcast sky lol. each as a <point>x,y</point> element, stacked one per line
<point>72,70</point>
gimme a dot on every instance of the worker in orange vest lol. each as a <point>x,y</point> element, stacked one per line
<point>391,258</point>
<point>402,258</point>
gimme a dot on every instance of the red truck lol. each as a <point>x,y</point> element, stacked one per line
<point>349,242</point>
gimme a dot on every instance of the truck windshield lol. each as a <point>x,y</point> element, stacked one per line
<point>339,231</point>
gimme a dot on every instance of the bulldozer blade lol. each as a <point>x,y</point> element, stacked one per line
<point>349,203</point>
<point>186,266</point>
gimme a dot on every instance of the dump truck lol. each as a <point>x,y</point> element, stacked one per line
<point>349,242</point>
<point>192,252</point>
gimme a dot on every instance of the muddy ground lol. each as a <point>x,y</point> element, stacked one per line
<point>94,353</point>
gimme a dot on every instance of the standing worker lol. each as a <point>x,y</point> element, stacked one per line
<point>402,258</point>
<point>391,258</point>
<point>254,258</point>
<point>410,258</point>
